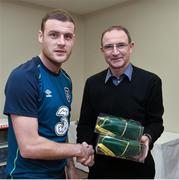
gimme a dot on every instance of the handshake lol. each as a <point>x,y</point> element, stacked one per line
<point>86,154</point>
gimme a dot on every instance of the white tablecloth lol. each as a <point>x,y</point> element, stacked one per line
<point>165,153</point>
<point>166,156</point>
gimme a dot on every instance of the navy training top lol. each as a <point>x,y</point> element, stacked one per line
<point>34,91</point>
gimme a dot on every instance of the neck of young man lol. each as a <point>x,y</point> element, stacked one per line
<point>50,65</point>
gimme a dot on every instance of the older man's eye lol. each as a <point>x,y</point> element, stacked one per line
<point>121,45</point>
<point>108,46</point>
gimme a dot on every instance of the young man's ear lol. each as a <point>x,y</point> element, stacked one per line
<point>40,36</point>
<point>74,38</point>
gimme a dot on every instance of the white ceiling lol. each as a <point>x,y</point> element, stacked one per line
<point>76,6</point>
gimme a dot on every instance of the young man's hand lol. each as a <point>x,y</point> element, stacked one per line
<point>87,156</point>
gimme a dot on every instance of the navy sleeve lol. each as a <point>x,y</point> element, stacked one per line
<point>21,93</point>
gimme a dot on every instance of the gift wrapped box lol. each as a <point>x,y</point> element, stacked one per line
<point>117,126</point>
<point>120,148</point>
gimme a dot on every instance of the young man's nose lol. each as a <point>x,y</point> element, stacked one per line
<point>61,40</point>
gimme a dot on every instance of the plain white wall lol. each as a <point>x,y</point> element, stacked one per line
<point>154,28</point>
<point>19,27</point>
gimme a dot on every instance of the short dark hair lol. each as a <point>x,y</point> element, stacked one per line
<point>117,27</point>
<point>57,14</point>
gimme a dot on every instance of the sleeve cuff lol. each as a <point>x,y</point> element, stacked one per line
<point>149,136</point>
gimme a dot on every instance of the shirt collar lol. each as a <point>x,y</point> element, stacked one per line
<point>128,73</point>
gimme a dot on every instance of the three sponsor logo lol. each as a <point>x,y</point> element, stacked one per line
<point>62,126</point>
<point>63,112</point>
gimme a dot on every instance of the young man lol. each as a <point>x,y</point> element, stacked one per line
<point>38,103</point>
<point>122,90</point>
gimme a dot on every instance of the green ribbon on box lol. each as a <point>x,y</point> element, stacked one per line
<point>116,126</point>
<point>115,147</point>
